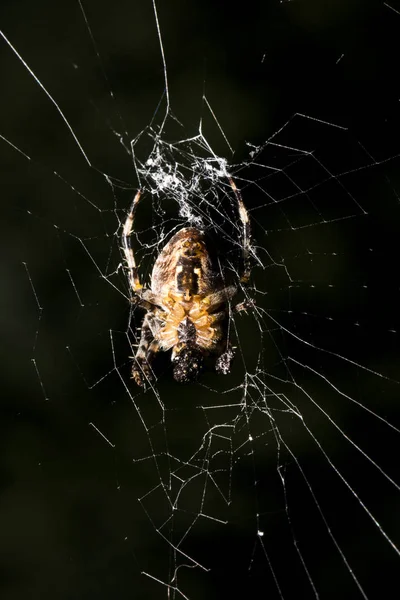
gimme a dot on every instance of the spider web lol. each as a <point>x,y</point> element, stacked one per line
<point>279,478</point>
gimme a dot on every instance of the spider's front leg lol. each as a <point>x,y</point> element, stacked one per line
<point>148,347</point>
<point>244,306</point>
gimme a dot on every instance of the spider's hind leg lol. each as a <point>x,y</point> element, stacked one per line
<point>142,372</point>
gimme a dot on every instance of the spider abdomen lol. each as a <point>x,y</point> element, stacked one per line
<point>184,266</point>
<point>183,276</point>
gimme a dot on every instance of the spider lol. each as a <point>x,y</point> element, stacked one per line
<point>187,304</point>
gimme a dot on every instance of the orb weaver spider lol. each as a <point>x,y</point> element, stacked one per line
<point>187,304</point>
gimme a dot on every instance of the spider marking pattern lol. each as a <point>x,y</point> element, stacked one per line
<point>187,305</point>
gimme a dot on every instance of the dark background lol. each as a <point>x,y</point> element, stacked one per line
<point>71,522</point>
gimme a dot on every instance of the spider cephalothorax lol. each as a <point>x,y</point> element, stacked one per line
<point>187,304</point>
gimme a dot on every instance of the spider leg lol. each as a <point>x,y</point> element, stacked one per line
<point>244,217</point>
<point>223,349</point>
<point>244,306</point>
<point>216,299</point>
<point>142,297</point>
<point>146,299</point>
<point>217,317</point>
<point>127,248</point>
<point>223,362</point>
<point>148,347</point>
